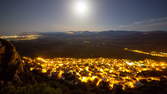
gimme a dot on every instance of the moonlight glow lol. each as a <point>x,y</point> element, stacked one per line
<point>81,8</point>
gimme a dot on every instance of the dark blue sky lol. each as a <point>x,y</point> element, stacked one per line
<point>60,15</point>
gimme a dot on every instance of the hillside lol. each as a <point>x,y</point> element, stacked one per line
<point>25,75</point>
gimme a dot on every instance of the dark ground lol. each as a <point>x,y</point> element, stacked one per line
<point>85,44</point>
<point>94,44</point>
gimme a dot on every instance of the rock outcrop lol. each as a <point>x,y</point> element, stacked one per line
<point>10,62</point>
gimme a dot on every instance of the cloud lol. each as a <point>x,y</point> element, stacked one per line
<point>80,28</point>
<point>150,21</point>
<point>151,24</point>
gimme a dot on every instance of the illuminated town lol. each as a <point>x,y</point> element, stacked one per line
<point>21,37</point>
<point>97,70</point>
<point>152,53</point>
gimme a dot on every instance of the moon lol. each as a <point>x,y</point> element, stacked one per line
<point>81,8</point>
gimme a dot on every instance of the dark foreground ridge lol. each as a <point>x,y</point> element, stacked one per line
<point>16,78</point>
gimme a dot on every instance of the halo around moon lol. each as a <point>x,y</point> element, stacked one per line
<point>81,8</point>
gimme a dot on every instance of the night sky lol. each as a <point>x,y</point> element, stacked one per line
<point>82,15</point>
